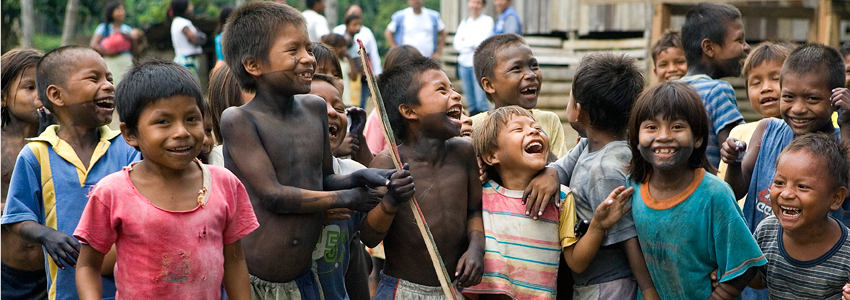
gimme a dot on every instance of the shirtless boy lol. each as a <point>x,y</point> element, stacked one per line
<point>425,114</point>
<point>277,144</point>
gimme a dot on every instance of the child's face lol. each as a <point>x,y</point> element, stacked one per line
<point>516,77</point>
<point>170,132</point>
<point>466,127</point>
<point>670,64</point>
<point>354,26</point>
<point>88,94</point>
<point>763,88</point>
<point>801,193</point>
<point>439,108</point>
<point>291,62</point>
<point>208,134</point>
<point>327,67</point>
<point>21,98</point>
<point>337,122</point>
<point>522,145</point>
<point>666,144</point>
<point>804,104</point>
<point>847,70</point>
<point>731,54</point>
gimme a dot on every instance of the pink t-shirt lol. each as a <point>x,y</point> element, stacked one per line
<point>166,254</point>
<point>374,134</point>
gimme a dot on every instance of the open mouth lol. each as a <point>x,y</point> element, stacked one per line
<point>180,150</point>
<point>665,151</point>
<point>534,148</point>
<point>333,130</point>
<point>800,121</point>
<point>768,100</point>
<point>790,212</point>
<point>107,103</point>
<point>306,75</point>
<point>455,114</point>
<point>466,133</point>
<point>529,91</point>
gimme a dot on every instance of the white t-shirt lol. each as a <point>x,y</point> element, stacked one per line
<point>470,33</point>
<point>317,25</point>
<point>369,42</point>
<point>418,31</point>
<point>182,45</point>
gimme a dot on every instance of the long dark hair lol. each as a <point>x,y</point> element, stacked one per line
<point>673,101</point>
<point>14,63</point>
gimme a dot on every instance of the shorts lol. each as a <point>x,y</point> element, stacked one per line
<point>623,288</point>
<point>305,287</point>
<point>22,284</point>
<point>394,288</point>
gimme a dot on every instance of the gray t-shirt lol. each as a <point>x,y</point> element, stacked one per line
<point>788,278</point>
<point>591,177</point>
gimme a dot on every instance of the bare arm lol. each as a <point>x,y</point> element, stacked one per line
<point>235,280</point>
<point>378,221</point>
<point>730,289</point>
<point>108,265</point>
<point>441,41</point>
<point>639,269</point>
<point>88,273</point>
<point>738,174</point>
<point>470,267</point>
<point>95,43</point>
<point>249,159</point>
<point>390,37</point>
<point>757,283</point>
<point>724,133</point>
<point>62,247</point>
<point>189,34</point>
<point>580,254</point>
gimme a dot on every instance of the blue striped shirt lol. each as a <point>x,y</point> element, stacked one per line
<point>722,109</point>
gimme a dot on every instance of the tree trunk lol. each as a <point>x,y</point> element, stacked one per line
<point>27,22</point>
<point>72,14</point>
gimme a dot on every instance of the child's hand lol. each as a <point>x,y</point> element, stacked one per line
<point>63,248</point>
<point>401,187</point>
<point>358,119</point>
<point>840,100</point>
<point>338,214</point>
<point>470,268</point>
<point>366,199</point>
<point>543,188</point>
<point>713,277</point>
<point>613,208</point>
<point>731,150</point>
<point>373,178</point>
<point>846,294</point>
<point>349,145</point>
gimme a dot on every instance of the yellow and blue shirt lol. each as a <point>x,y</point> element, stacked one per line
<point>50,185</point>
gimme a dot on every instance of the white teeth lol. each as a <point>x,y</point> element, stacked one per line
<point>789,208</point>
<point>790,211</point>
<point>454,113</point>
<point>529,90</point>
<point>332,129</point>
<point>180,149</point>
<point>664,151</point>
<point>534,146</point>
<point>800,120</point>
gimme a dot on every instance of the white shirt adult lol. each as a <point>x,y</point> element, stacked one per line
<point>470,33</point>
<point>317,25</point>
<point>369,42</point>
<point>182,45</point>
<point>418,29</point>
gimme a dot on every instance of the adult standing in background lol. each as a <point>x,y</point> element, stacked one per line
<point>470,33</point>
<point>185,37</point>
<point>317,24</point>
<point>419,27</point>
<point>352,29</point>
<point>113,40</point>
<point>508,21</point>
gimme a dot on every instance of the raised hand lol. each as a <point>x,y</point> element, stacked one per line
<point>732,151</point>
<point>840,100</point>
<point>613,208</point>
<point>358,119</point>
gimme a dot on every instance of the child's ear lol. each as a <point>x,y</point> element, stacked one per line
<point>698,143</point>
<point>407,112</point>
<point>838,198</point>
<point>54,95</point>
<point>709,48</point>
<point>252,66</point>
<point>487,85</point>
<point>129,137</point>
<point>491,159</point>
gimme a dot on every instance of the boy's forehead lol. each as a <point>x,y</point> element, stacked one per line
<point>819,78</point>
<point>511,52</point>
<point>83,60</point>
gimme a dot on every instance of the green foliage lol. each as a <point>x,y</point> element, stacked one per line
<point>46,42</point>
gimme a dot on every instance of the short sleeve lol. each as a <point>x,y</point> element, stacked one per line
<point>126,28</point>
<point>100,29</point>
<point>722,106</point>
<point>734,246</point>
<point>24,199</point>
<point>440,25</point>
<point>96,227</point>
<point>392,26</point>
<point>567,219</point>
<point>512,25</point>
<point>242,221</point>
<point>565,165</point>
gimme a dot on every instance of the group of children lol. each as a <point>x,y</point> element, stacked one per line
<point>635,210</point>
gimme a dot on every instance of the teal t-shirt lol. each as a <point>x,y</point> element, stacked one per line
<point>686,237</point>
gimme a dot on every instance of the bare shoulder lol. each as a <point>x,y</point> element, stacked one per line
<point>460,147</point>
<point>235,115</point>
<point>312,102</point>
<point>382,160</point>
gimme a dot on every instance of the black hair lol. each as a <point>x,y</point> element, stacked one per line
<point>816,59</point>
<point>765,52</point>
<point>484,59</point>
<point>335,82</point>
<point>323,53</point>
<point>110,8</point>
<point>351,17</point>
<point>845,49</point>
<point>54,68</point>
<point>829,151</point>
<point>224,92</point>
<point>673,100</point>
<point>222,16</point>
<point>149,82</point>
<point>400,86</point>
<point>311,3</point>
<point>15,62</point>
<point>606,86</point>
<point>670,39</point>
<point>400,55</point>
<point>179,7</point>
<point>250,32</point>
<point>706,20</point>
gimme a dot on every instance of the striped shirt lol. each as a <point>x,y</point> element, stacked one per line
<point>521,254</point>
<point>721,106</point>
<point>788,278</point>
